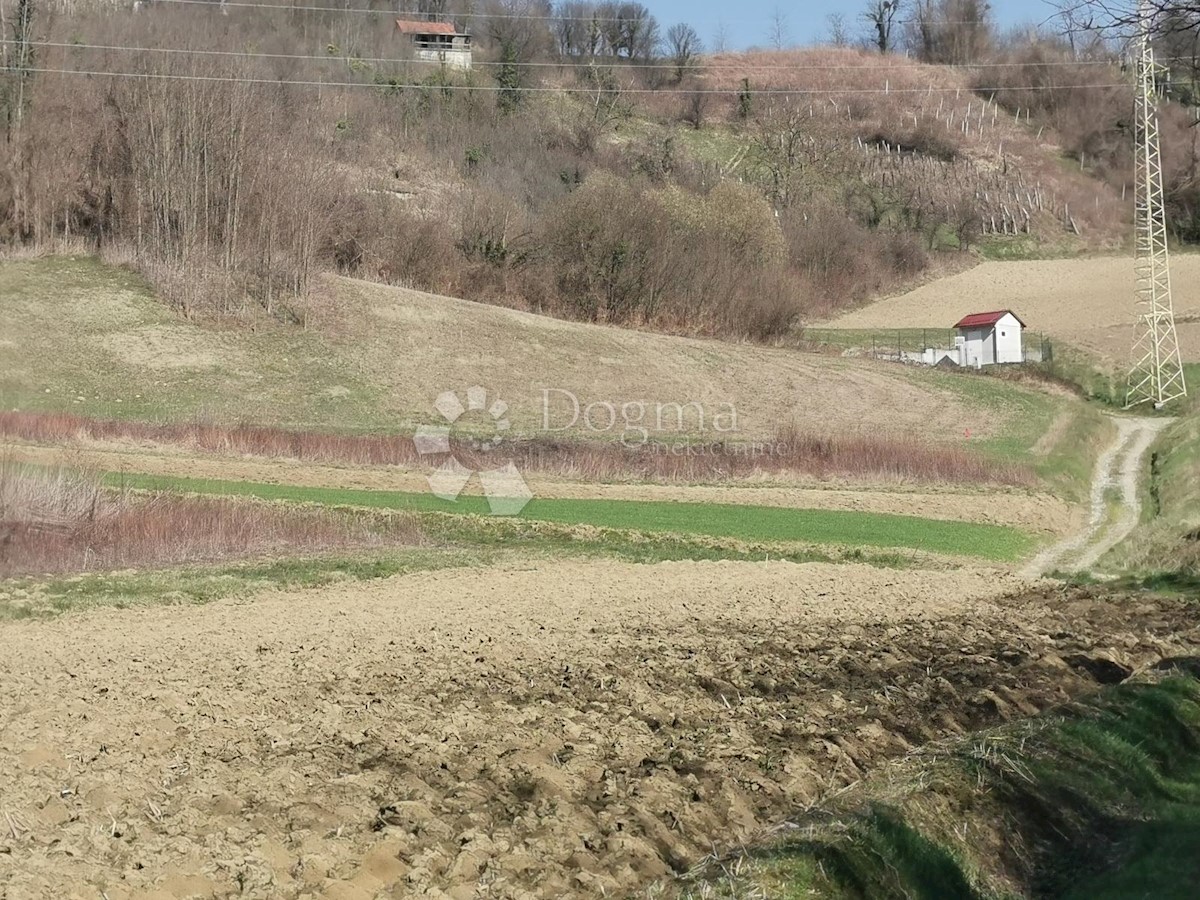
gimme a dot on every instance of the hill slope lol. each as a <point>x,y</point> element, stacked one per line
<point>93,340</point>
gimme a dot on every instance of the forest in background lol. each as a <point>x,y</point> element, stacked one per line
<point>592,165</point>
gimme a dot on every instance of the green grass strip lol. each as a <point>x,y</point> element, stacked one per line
<point>748,523</point>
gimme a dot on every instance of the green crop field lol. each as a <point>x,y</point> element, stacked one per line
<point>748,523</point>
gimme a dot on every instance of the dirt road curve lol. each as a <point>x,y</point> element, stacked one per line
<point>565,730</point>
<point>1119,467</point>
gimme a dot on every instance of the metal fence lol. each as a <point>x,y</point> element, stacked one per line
<point>910,344</point>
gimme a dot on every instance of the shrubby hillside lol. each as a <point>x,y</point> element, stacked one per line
<point>232,153</point>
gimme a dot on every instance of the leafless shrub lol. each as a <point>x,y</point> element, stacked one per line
<point>54,520</point>
<point>51,498</point>
<point>695,108</point>
<point>791,451</point>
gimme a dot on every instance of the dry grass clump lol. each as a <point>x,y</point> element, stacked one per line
<point>55,521</point>
<point>235,440</point>
<point>791,452</point>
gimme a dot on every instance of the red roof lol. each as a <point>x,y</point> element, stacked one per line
<point>982,320</point>
<point>404,26</point>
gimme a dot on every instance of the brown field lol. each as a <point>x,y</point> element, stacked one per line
<point>1087,302</point>
<point>557,729</point>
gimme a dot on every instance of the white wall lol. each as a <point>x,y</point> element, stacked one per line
<point>1008,340</point>
<point>988,346</point>
<point>455,59</point>
<point>978,347</point>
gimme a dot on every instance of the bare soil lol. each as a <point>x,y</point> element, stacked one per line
<point>1039,512</point>
<point>1085,301</point>
<point>560,729</point>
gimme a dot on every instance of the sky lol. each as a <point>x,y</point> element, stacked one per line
<point>748,22</point>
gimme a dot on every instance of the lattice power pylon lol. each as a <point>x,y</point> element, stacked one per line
<point>1157,373</point>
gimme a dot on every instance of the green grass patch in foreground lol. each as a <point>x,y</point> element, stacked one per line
<point>456,541</point>
<point>745,523</point>
<point>39,596</point>
<point>1101,800</point>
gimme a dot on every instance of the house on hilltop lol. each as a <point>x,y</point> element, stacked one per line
<point>438,42</point>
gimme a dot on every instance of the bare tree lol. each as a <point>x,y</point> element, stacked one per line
<point>779,33</point>
<point>881,16</point>
<point>573,22</point>
<point>1123,18</point>
<point>720,39</point>
<point>627,29</point>
<point>519,30</point>
<point>838,34</point>
<point>950,32</point>
<point>1121,14</point>
<point>782,148</point>
<point>1174,26</point>
<point>19,69</point>
<point>18,62</point>
<point>639,30</point>
<point>605,106</point>
<point>683,45</point>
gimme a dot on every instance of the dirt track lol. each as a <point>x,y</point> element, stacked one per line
<point>1119,468</point>
<point>566,730</point>
<point>1034,512</point>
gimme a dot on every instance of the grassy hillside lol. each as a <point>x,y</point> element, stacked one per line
<point>83,336</point>
<point>92,339</point>
<point>736,198</point>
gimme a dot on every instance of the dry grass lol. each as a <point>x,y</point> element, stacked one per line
<point>55,521</point>
<point>791,451</point>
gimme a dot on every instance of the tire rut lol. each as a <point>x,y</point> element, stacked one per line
<point>1119,468</point>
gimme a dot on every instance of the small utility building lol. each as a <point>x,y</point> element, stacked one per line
<point>438,42</point>
<point>985,339</point>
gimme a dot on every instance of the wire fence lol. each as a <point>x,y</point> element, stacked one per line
<point>911,344</point>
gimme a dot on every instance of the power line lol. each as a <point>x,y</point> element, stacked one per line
<point>566,63</point>
<point>790,92</point>
<point>391,13</point>
<point>464,14</point>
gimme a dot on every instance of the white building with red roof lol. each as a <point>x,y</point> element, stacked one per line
<point>990,338</point>
<point>438,42</point>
